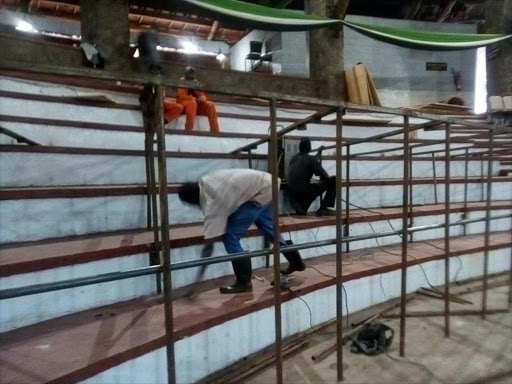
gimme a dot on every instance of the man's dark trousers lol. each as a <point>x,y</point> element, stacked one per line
<point>305,198</point>
<point>238,223</point>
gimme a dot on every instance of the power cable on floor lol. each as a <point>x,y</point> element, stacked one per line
<point>419,365</point>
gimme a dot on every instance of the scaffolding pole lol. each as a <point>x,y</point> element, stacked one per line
<point>151,188</point>
<point>277,235</point>
<point>466,176</point>
<point>405,202</point>
<point>434,174</point>
<point>411,196</point>
<point>164,229</point>
<point>447,232</point>
<point>339,235</point>
<point>487,223</point>
<point>347,197</point>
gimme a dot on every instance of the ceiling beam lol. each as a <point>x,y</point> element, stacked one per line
<point>213,30</point>
<point>446,11</point>
<point>283,3</point>
<point>413,10</point>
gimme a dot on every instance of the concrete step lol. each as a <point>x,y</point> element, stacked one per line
<point>52,166</point>
<point>125,342</point>
<point>44,100</point>
<point>38,213</point>
<point>65,133</point>
<point>49,261</point>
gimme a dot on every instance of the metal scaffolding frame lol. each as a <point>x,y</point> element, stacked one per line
<point>159,224</point>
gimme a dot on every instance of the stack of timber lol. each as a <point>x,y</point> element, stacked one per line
<point>360,86</point>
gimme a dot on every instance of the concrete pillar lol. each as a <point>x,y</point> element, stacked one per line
<point>499,56</point>
<point>105,22</point>
<point>326,47</point>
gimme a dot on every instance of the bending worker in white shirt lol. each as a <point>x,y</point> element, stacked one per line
<point>231,201</point>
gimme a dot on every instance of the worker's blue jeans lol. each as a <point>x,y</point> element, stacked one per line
<point>238,223</point>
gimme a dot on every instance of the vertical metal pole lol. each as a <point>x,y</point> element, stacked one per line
<point>153,191</point>
<point>347,197</point>
<point>339,236</point>
<point>466,175</point>
<point>405,202</point>
<point>164,228</point>
<point>435,178</point>
<point>277,236</point>
<point>510,279</point>
<point>447,232</point>
<point>147,143</point>
<point>411,196</point>
<point>250,158</point>
<point>483,177</point>
<point>152,212</point>
<point>487,221</point>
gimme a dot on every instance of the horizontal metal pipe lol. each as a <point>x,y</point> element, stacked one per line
<point>498,131</point>
<point>382,135</point>
<point>73,283</point>
<point>456,149</point>
<point>421,115</point>
<point>486,151</point>
<point>81,281</point>
<point>315,117</point>
<point>411,147</point>
<point>437,142</point>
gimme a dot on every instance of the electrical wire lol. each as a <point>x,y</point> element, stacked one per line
<point>342,286</point>
<point>419,365</point>
<point>309,310</point>
<point>416,241</point>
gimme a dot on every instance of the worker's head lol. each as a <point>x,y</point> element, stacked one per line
<point>305,145</point>
<point>189,193</point>
<point>190,73</point>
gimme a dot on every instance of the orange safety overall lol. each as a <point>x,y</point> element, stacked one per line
<point>172,110</point>
<point>195,103</point>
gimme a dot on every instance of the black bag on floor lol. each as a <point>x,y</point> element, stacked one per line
<point>373,339</point>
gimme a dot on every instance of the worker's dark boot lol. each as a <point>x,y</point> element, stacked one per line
<point>295,263</point>
<point>238,287</point>
<point>322,212</point>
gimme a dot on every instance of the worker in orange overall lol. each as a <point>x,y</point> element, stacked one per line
<point>191,103</point>
<point>195,103</point>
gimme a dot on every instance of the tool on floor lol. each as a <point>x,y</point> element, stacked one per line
<point>284,281</point>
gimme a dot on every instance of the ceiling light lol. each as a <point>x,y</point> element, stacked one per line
<point>136,53</point>
<point>25,26</point>
<point>189,47</point>
<point>221,57</point>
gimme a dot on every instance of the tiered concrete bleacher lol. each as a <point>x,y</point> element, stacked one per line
<point>75,206</point>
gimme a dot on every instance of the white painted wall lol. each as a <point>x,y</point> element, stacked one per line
<point>399,73</point>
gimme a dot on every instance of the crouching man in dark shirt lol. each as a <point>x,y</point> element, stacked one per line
<point>302,168</point>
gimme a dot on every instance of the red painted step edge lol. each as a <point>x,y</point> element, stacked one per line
<point>25,193</point>
<point>36,256</point>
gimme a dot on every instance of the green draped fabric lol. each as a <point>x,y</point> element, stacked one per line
<point>258,16</point>
<point>414,38</point>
